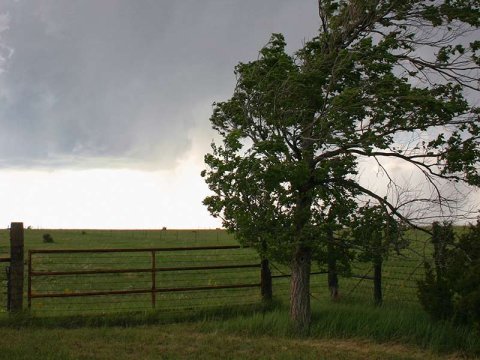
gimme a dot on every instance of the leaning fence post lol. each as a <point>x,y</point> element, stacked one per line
<point>16,267</point>
<point>265,281</point>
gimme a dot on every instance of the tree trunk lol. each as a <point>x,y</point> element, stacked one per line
<point>377,283</point>
<point>332,266</point>
<point>266,281</point>
<point>300,312</point>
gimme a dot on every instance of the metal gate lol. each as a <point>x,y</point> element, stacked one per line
<point>112,280</point>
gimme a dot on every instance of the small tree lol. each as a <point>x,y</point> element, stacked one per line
<point>434,292</point>
<point>47,238</point>
<point>451,288</point>
<point>465,277</point>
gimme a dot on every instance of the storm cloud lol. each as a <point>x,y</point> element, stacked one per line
<point>113,83</point>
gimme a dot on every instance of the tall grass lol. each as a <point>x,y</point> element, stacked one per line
<point>386,324</point>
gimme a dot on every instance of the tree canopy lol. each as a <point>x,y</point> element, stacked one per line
<point>384,80</point>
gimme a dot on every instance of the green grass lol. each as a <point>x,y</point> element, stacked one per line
<point>353,323</point>
<point>386,324</point>
<point>339,331</point>
<point>182,341</point>
<point>400,272</point>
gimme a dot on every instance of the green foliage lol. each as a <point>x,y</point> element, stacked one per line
<point>451,289</point>
<point>434,292</point>
<point>376,233</point>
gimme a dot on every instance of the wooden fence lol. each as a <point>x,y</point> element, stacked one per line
<point>15,269</point>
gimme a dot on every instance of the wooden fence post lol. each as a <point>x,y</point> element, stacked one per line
<point>266,281</point>
<point>16,267</point>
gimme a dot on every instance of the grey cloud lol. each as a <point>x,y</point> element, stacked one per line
<point>111,83</point>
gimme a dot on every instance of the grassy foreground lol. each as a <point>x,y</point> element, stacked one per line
<point>187,341</point>
<point>339,331</point>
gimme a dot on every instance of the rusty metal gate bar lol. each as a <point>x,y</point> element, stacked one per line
<point>153,269</point>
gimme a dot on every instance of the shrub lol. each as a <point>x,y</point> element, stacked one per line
<point>451,289</point>
<point>47,238</point>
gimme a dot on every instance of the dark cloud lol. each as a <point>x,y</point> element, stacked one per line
<point>112,83</point>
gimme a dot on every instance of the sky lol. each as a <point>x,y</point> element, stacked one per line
<point>105,105</point>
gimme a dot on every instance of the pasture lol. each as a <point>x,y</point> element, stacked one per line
<point>399,274</point>
<point>232,312</point>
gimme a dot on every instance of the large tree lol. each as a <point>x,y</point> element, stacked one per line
<point>384,80</point>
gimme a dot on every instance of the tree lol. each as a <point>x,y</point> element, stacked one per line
<point>383,80</point>
<point>451,288</point>
<point>435,293</point>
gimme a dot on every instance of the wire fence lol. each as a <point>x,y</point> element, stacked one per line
<point>127,276</point>
<point>399,277</point>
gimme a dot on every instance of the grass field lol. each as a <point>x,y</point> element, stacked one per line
<point>400,271</point>
<point>351,328</point>
<point>171,302</point>
<point>185,341</point>
<point>190,341</point>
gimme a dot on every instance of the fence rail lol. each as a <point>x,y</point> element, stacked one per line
<point>128,250</point>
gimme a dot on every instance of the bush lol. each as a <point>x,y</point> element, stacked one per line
<point>451,289</point>
<point>47,238</point>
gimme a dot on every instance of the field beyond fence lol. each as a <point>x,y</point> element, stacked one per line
<point>67,277</point>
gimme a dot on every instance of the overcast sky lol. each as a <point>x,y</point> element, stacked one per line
<point>104,104</point>
<point>117,83</point>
